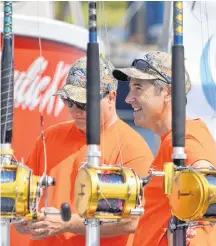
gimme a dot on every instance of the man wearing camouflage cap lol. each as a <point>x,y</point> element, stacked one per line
<point>150,97</point>
<point>66,152</point>
<point>74,91</point>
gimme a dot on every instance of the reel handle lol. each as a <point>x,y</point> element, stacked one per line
<point>65,212</point>
<point>147,179</point>
<point>168,173</point>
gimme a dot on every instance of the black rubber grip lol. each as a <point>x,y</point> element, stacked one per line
<point>93,94</point>
<point>178,97</point>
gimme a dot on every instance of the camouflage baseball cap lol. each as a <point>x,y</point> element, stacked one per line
<point>155,65</point>
<point>75,87</point>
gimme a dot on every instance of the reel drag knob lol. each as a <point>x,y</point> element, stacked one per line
<point>65,212</point>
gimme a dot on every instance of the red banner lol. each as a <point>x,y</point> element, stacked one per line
<point>39,72</point>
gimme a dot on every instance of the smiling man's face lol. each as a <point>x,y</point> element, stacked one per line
<point>147,102</point>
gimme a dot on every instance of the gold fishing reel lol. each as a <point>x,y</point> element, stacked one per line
<point>108,192</point>
<point>20,190</point>
<point>191,192</point>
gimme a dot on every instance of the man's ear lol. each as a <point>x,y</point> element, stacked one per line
<point>167,93</point>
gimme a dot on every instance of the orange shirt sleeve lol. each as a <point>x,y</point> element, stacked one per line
<point>194,150</point>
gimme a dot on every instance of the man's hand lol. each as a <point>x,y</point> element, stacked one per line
<point>22,227</point>
<point>191,233</point>
<point>49,225</point>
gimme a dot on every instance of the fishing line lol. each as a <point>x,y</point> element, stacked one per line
<point>41,114</point>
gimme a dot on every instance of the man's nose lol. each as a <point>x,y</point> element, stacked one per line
<point>129,98</point>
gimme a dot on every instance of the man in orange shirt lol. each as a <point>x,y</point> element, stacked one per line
<point>66,152</point>
<point>150,97</point>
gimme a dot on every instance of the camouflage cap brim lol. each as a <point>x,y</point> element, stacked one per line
<point>75,93</point>
<point>124,74</point>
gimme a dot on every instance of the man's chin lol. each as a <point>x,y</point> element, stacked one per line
<point>139,122</point>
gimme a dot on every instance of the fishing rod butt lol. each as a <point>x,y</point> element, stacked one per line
<point>179,234</point>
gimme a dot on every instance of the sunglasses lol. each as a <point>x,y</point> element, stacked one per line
<point>70,103</point>
<point>82,106</point>
<point>144,66</point>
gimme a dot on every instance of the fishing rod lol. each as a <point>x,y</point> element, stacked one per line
<point>192,197</point>
<point>7,94</point>
<point>90,185</point>
<point>92,124</point>
<point>91,203</point>
<point>93,114</point>
<point>20,190</point>
<point>178,106</point>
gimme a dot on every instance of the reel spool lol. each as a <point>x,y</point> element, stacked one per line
<point>108,192</point>
<point>20,190</point>
<point>191,193</point>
